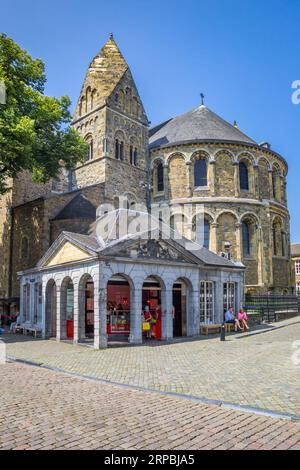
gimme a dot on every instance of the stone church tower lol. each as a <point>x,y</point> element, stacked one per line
<point>110,116</point>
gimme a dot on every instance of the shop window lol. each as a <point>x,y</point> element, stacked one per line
<point>37,316</point>
<point>206,302</point>
<point>26,302</point>
<point>229,296</point>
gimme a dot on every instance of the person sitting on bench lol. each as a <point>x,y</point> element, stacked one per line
<point>230,318</point>
<point>243,319</point>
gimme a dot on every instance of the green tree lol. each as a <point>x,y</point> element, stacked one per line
<point>35,132</point>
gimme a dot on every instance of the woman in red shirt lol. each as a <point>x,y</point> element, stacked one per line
<point>158,322</point>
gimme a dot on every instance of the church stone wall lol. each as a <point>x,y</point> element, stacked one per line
<point>226,206</point>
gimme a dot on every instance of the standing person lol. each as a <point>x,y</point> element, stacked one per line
<point>230,318</point>
<point>158,322</point>
<point>148,319</point>
<point>243,319</point>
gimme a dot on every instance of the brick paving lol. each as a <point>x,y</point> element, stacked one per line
<point>51,410</point>
<point>255,371</point>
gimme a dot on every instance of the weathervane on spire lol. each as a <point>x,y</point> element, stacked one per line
<point>202,99</point>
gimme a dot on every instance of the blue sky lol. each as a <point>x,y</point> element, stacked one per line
<point>243,54</point>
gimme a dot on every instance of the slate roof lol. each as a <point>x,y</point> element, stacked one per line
<point>78,208</point>
<point>199,124</point>
<point>86,241</point>
<point>295,249</point>
<point>107,246</point>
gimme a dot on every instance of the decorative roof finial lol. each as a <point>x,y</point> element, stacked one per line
<point>111,36</point>
<point>202,99</point>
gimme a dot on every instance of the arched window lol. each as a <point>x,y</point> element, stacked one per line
<point>121,99</point>
<point>201,231</point>
<point>133,155</point>
<point>200,173</point>
<point>119,149</point>
<point>160,177</point>
<point>274,240</point>
<point>24,248</point>
<point>88,99</point>
<point>206,234</point>
<point>274,186</point>
<point>276,182</point>
<point>283,243</point>
<point>278,239</point>
<point>90,150</point>
<point>246,238</point>
<point>93,99</point>
<point>244,178</point>
<point>177,223</point>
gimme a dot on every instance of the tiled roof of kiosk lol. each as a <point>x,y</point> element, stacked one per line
<point>103,243</point>
<point>199,124</point>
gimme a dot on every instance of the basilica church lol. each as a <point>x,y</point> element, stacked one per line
<point>205,171</point>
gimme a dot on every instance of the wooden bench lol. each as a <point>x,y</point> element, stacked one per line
<point>206,329</point>
<point>18,329</point>
<point>32,329</point>
<point>229,327</point>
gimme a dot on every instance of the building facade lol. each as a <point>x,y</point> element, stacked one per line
<point>295,253</point>
<point>87,287</point>
<point>204,164</point>
<point>196,158</point>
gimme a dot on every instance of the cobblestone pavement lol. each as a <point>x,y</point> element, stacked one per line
<point>51,410</point>
<point>255,371</point>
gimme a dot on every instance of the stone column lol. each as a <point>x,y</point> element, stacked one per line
<point>76,315</point>
<point>213,237</point>
<point>166,180</point>
<point>31,302</point>
<point>239,297</point>
<point>212,176</point>
<point>189,167</point>
<point>81,309</point>
<point>59,326</point>
<point>194,313</point>
<point>136,316</point>
<point>100,327</point>
<point>236,179</point>
<point>43,308</point>
<point>239,242</point>
<point>167,318</point>
<point>218,301</point>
